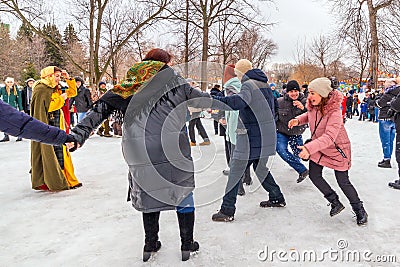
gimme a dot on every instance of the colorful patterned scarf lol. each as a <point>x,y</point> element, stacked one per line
<point>137,77</point>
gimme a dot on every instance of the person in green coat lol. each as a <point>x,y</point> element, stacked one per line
<point>12,96</point>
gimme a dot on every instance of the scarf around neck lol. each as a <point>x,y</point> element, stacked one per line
<point>47,77</point>
<point>137,77</point>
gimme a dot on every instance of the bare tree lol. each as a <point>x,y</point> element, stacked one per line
<point>254,47</point>
<point>326,52</point>
<point>89,16</point>
<point>205,14</point>
<point>351,11</point>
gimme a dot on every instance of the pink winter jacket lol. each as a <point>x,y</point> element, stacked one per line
<point>330,130</point>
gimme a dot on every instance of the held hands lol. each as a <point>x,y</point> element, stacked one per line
<point>71,143</point>
<point>304,154</point>
<point>292,123</point>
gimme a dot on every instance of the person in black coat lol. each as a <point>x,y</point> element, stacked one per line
<point>83,100</point>
<point>291,104</point>
<point>215,114</point>
<point>395,106</point>
<point>17,123</point>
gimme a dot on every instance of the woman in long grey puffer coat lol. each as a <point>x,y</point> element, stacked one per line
<point>153,101</point>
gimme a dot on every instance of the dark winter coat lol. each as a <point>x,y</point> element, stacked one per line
<point>286,112</point>
<point>371,104</point>
<point>24,97</point>
<point>155,142</point>
<point>349,103</point>
<point>256,133</point>
<point>17,123</point>
<point>83,100</point>
<point>383,103</point>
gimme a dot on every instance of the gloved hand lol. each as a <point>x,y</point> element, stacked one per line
<point>71,139</point>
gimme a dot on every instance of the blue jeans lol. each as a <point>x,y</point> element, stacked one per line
<point>81,115</point>
<point>387,133</point>
<point>376,110</point>
<point>282,143</point>
<point>237,168</point>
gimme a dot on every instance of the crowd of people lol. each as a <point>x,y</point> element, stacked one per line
<point>254,118</point>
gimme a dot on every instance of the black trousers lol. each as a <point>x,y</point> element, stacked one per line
<point>397,152</point>
<point>342,178</point>
<point>196,122</point>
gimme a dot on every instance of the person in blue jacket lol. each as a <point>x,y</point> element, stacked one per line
<point>17,123</point>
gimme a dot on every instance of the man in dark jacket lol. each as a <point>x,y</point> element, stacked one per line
<point>26,95</point>
<point>83,100</point>
<point>17,123</point>
<point>395,106</point>
<point>256,132</point>
<point>387,128</point>
<point>215,114</point>
<point>291,105</point>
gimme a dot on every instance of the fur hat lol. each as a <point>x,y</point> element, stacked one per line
<point>30,79</point>
<point>321,86</point>
<point>292,85</point>
<point>243,66</point>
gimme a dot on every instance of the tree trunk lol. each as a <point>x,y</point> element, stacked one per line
<point>374,57</point>
<point>204,56</point>
<point>186,59</point>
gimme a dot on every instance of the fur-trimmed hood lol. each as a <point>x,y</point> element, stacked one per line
<point>335,100</point>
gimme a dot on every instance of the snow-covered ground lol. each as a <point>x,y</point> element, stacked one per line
<point>95,226</point>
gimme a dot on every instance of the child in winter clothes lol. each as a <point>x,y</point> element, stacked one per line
<point>364,110</point>
<point>329,145</point>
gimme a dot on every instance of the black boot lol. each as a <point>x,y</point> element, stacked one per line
<point>361,214</point>
<point>279,203</point>
<point>241,191</point>
<point>150,223</point>
<point>336,205</point>
<point>5,139</point>
<point>186,225</point>
<point>395,184</point>
<point>385,163</point>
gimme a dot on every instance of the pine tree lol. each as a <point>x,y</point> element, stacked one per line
<point>54,55</point>
<point>29,72</point>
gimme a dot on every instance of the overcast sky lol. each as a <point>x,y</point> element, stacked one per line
<point>297,20</point>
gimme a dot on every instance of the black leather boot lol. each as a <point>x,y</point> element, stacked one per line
<point>361,214</point>
<point>5,139</point>
<point>336,205</point>
<point>186,225</point>
<point>151,228</point>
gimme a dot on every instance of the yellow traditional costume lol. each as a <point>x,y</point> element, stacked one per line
<point>52,167</point>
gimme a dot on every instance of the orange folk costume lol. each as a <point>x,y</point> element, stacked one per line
<point>52,167</point>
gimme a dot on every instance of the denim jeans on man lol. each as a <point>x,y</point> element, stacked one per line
<point>81,115</point>
<point>237,168</point>
<point>387,133</point>
<point>282,143</point>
